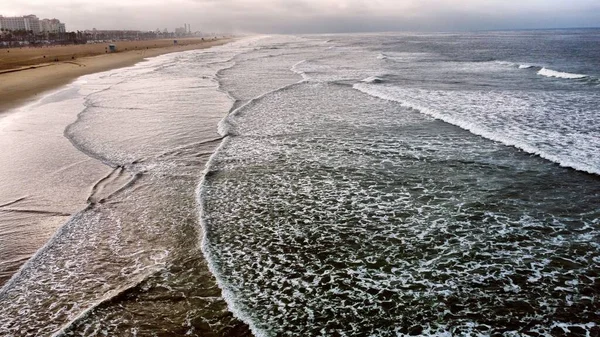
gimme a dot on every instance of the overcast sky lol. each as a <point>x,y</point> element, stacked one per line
<point>312,16</point>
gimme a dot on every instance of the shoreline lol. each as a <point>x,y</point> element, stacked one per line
<point>65,192</point>
<point>22,122</point>
<point>21,85</point>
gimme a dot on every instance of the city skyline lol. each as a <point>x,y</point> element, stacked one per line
<point>31,23</point>
<point>312,16</point>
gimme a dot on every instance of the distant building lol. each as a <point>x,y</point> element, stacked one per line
<point>32,23</point>
<point>28,23</point>
<point>12,23</point>
<point>96,34</point>
<point>52,26</point>
<point>183,31</point>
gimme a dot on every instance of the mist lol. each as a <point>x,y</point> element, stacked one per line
<point>312,16</point>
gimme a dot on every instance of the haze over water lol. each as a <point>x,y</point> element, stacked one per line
<point>363,185</point>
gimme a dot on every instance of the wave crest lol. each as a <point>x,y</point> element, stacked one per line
<point>557,74</point>
<point>477,129</point>
<point>372,79</point>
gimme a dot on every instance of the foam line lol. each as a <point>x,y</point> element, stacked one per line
<point>478,130</point>
<point>223,129</point>
<point>300,72</point>
<point>372,79</point>
<point>64,330</point>
<point>227,294</point>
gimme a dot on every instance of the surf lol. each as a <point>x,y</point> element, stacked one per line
<point>479,130</point>
<point>557,74</point>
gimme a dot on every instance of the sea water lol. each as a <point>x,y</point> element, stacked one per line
<point>411,184</point>
<point>363,185</point>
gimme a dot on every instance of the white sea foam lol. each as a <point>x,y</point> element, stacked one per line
<point>372,79</point>
<point>268,226</point>
<point>225,126</point>
<point>520,140</point>
<point>228,295</point>
<point>505,63</point>
<point>296,70</point>
<point>292,168</point>
<point>557,74</point>
<point>403,57</point>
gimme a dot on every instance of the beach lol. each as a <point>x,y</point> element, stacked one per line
<point>25,74</point>
<point>99,185</point>
<point>41,193</point>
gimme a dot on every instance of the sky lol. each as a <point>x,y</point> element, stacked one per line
<point>312,16</point>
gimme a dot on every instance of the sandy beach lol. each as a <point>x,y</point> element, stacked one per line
<point>25,74</point>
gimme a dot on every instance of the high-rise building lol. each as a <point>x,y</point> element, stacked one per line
<point>32,23</point>
<point>12,23</point>
<point>52,26</point>
<point>28,23</point>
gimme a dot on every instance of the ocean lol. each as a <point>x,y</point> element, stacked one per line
<point>388,184</point>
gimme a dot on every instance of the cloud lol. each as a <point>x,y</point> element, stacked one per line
<point>312,16</point>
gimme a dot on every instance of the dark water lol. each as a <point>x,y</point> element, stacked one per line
<point>406,184</point>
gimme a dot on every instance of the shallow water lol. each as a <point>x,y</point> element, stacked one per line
<point>39,192</point>
<point>130,262</point>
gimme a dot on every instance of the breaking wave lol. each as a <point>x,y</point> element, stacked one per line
<point>557,74</point>
<point>372,79</point>
<point>477,129</point>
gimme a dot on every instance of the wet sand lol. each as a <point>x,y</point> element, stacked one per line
<point>44,179</point>
<point>25,75</point>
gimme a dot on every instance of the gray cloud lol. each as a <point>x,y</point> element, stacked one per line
<point>312,16</point>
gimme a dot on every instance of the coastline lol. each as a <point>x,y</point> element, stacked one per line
<point>32,183</point>
<point>34,197</point>
<point>19,86</point>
